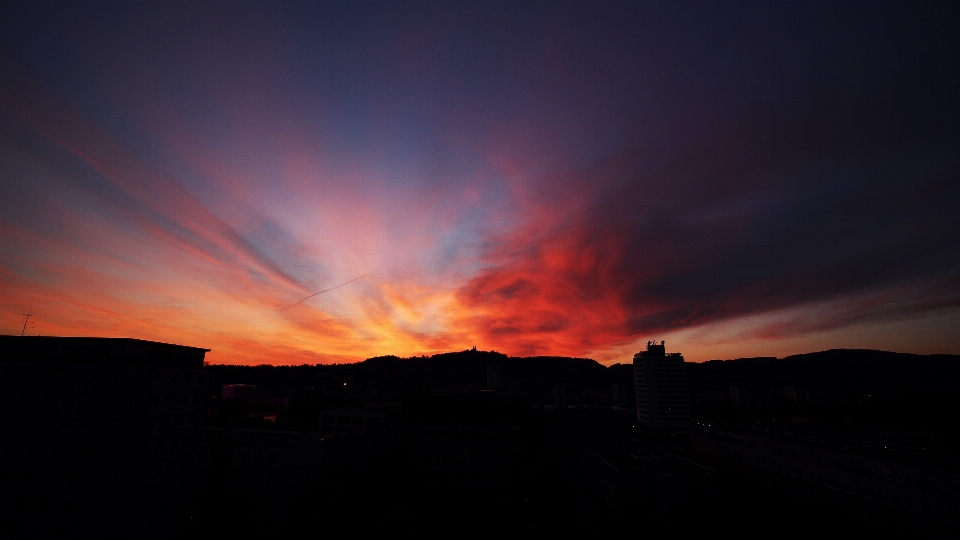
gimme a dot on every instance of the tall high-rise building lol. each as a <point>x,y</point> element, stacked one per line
<point>663,402</point>
<point>98,436</point>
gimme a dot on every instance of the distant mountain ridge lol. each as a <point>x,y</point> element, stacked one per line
<point>836,368</point>
<point>468,366</point>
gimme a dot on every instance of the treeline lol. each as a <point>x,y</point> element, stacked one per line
<point>454,369</point>
<point>843,371</point>
<point>839,370</point>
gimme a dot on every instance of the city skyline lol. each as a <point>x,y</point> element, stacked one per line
<point>537,179</point>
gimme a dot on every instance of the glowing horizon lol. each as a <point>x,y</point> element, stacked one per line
<point>529,179</point>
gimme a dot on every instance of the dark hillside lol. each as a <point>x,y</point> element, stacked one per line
<point>861,392</point>
<point>839,370</point>
<point>453,369</point>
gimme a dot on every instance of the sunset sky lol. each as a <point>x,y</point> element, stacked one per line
<point>533,178</point>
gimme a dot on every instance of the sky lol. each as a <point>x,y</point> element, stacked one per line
<point>556,178</point>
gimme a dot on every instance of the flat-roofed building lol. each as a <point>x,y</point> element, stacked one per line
<point>572,429</point>
<point>663,401</point>
<point>97,436</point>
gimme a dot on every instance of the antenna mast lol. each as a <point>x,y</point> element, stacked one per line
<point>26,317</point>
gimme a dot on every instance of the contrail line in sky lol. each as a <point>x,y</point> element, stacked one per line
<point>323,291</point>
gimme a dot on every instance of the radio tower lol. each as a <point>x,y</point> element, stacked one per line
<point>26,317</point>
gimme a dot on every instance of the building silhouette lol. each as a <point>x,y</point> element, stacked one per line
<point>97,436</point>
<point>246,393</point>
<point>258,473</point>
<point>352,419</point>
<point>494,377</point>
<point>645,484</point>
<point>573,429</point>
<point>621,395</point>
<point>915,496</point>
<point>663,401</point>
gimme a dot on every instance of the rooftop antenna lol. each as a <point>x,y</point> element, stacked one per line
<point>26,317</point>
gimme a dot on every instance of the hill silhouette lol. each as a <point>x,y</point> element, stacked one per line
<point>463,367</point>
<point>840,370</point>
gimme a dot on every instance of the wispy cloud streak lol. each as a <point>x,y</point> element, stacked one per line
<point>535,178</point>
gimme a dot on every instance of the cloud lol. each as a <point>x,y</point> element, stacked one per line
<point>547,180</point>
<point>152,199</point>
<point>765,212</point>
